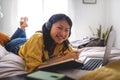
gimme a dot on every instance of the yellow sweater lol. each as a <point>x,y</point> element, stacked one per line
<point>33,52</point>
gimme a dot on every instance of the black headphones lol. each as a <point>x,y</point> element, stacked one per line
<point>48,25</point>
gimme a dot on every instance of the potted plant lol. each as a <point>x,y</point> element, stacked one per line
<point>102,35</point>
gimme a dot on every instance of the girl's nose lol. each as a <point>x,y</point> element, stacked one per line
<point>63,33</point>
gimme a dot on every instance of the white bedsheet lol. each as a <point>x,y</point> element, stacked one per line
<point>99,52</point>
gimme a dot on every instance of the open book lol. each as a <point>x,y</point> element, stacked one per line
<point>63,65</point>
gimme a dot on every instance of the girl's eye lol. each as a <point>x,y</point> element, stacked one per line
<point>60,28</point>
<point>67,30</point>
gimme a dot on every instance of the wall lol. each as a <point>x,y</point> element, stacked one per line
<point>105,12</point>
<point>113,17</point>
<point>9,20</point>
<point>86,15</point>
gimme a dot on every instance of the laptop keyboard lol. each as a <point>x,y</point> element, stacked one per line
<point>92,64</point>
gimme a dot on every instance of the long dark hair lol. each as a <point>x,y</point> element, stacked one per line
<point>46,28</point>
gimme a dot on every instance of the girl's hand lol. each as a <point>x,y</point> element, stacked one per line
<point>74,54</point>
<point>23,23</point>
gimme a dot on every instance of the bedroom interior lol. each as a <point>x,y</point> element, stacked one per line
<point>84,15</point>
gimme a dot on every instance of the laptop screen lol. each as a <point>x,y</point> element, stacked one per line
<point>109,45</point>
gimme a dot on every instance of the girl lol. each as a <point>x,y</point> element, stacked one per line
<point>45,47</point>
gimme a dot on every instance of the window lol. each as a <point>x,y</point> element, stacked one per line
<point>38,11</point>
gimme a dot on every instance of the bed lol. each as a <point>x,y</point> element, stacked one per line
<point>11,64</point>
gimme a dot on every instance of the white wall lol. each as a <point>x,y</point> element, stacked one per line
<point>105,12</point>
<point>86,15</point>
<point>8,23</point>
<point>113,18</point>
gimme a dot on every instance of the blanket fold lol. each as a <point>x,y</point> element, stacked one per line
<point>109,72</point>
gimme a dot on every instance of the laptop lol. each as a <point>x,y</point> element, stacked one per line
<point>92,63</point>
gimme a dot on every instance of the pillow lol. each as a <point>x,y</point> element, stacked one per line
<point>3,38</point>
<point>3,52</point>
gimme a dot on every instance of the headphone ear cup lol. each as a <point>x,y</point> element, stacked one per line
<point>48,26</point>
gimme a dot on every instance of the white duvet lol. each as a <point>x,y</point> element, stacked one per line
<point>10,64</point>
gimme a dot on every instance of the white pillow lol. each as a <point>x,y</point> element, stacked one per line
<point>3,51</point>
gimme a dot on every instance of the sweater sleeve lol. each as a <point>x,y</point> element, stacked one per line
<point>32,53</point>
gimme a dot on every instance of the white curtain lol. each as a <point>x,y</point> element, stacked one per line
<point>38,11</point>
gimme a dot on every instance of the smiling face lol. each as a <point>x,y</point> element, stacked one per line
<point>60,31</point>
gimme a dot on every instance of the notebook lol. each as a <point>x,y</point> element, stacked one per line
<point>62,65</point>
<point>45,75</point>
<point>92,63</point>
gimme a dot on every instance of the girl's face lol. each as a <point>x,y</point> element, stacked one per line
<point>60,31</point>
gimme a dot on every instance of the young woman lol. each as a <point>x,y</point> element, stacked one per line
<point>45,47</point>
